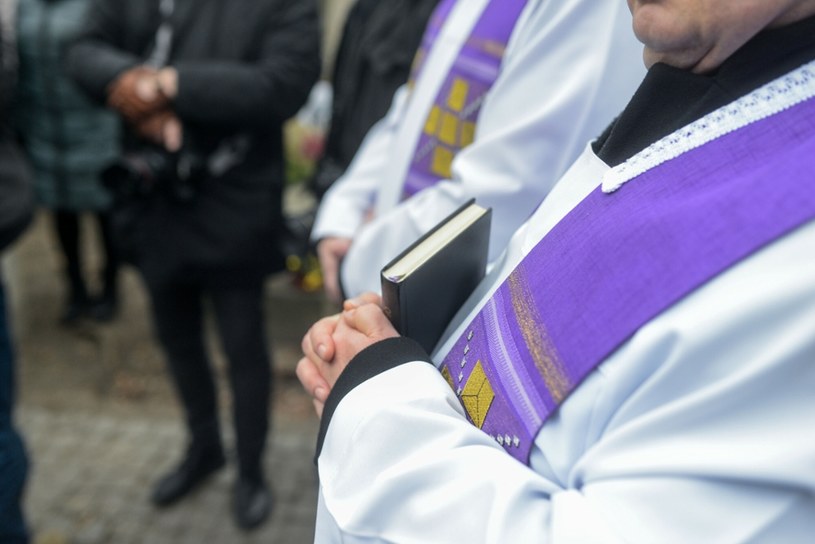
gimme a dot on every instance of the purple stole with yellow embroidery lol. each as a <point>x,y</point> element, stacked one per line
<point>450,124</point>
<point>618,260</point>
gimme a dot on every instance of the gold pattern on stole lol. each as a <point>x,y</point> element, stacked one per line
<point>449,130</point>
<point>457,97</point>
<point>467,133</point>
<point>477,395</point>
<point>442,164</point>
<point>448,133</point>
<point>536,337</point>
<point>432,123</point>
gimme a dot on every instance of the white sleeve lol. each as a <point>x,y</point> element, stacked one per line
<point>396,463</point>
<point>569,69</point>
<point>698,429</point>
<point>345,204</point>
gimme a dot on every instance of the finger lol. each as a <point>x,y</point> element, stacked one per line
<point>365,298</point>
<point>370,320</point>
<point>146,88</point>
<point>320,337</point>
<point>308,350</point>
<point>312,381</point>
<point>172,134</point>
<point>318,407</point>
<point>317,340</point>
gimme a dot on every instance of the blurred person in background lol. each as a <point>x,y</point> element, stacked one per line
<point>68,140</point>
<point>502,98</point>
<point>379,41</point>
<point>16,205</point>
<point>204,88</point>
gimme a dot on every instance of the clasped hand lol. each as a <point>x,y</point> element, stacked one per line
<point>142,96</point>
<point>331,343</point>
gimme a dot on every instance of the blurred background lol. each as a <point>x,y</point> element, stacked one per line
<point>95,405</point>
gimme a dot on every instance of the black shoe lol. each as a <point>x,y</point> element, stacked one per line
<point>252,503</point>
<point>187,476</point>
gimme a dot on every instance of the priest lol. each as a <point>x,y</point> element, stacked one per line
<point>503,95</point>
<point>637,367</point>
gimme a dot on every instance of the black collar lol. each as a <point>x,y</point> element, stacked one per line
<point>670,98</point>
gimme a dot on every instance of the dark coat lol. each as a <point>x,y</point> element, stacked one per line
<point>68,139</point>
<point>16,195</point>
<point>379,41</point>
<point>244,67</point>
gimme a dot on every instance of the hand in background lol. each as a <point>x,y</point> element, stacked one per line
<point>136,94</point>
<point>330,252</point>
<point>162,128</point>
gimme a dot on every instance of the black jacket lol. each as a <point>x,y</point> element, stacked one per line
<point>378,44</point>
<point>16,195</point>
<point>244,67</point>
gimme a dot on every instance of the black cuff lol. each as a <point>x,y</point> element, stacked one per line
<point>370,362</point>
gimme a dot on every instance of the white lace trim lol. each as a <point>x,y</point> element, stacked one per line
<point>776,96</point>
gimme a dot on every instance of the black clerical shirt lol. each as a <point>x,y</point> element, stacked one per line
<point>670,98</point>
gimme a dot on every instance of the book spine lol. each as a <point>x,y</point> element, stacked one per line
<point>391,303</point>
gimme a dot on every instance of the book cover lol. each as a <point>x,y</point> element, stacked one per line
<point>424,286</point>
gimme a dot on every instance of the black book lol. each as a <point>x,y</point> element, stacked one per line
<point>428,282</point>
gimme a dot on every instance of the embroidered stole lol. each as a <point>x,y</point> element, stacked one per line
<point>618,260</point>
<point>450,124</point>
<point>431,32</point>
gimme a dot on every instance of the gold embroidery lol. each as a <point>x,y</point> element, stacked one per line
<point>432,123</point>
<point>478,395</point>
<point>536,338</point>
<point>448,133</point>
<point>458,94</point>
<point>442,162</point>
<point>467,133</point>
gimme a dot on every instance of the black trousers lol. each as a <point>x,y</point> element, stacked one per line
<point>178,318</point>
<point>67,228</point>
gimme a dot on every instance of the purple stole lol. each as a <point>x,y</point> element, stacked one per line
<point>618,260</point>
<point>431,32</point>
<point>450,124</point>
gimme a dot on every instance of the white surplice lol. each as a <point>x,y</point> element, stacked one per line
<point>569,68</point>
<point>699,428</point>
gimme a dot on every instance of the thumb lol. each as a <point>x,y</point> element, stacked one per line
<point>369,320</point>
<point>364,298</point>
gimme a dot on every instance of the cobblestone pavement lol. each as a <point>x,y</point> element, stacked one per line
<point>92,472</point>
<point>101,421</point>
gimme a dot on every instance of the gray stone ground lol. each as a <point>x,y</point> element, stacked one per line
<point>101,421</point>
